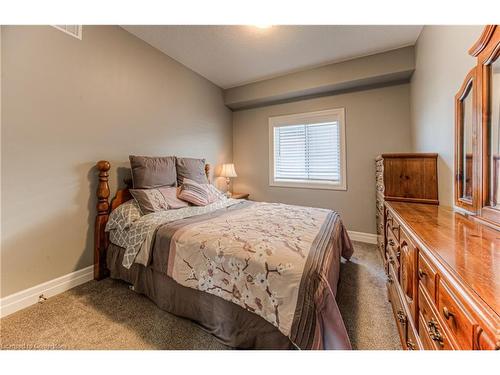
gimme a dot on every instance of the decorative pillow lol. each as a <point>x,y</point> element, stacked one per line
<point>149,200</point>
<point>192,169</point>
<point>123,216</point>
<point>198,194</point>
<point>170,195</point>
<point>152,172</point>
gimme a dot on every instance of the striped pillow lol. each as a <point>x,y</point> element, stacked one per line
<point>198,194</point>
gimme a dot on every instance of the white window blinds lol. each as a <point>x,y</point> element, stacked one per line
<point>307,150</point>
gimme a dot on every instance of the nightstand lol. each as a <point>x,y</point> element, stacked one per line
<point>240,195</point>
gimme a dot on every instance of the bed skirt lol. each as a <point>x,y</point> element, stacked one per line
<point>228,322</point>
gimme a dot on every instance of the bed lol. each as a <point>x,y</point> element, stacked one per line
<point>256,275</point>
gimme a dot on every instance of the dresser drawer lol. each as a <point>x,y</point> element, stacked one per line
<point>427,343</point>
<point>430,330</point>
<point>392,224</point>
<point>392,253</point>
<point>426,276</point>
<point>455,316</point>
<point>397,306</point>
<point>412,341</point>
<point>407,271</point>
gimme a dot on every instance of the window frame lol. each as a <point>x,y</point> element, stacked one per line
<point>335,114</point>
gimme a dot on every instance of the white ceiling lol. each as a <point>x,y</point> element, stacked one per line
<point>233,55</point>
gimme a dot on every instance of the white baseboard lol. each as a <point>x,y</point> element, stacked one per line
<point>363,237</point>
<point>30,296</point>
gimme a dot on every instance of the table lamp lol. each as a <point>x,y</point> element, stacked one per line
<point>228,172</point>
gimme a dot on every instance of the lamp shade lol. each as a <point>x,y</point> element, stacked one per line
<point>228,171</point>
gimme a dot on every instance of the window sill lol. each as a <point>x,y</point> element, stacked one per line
<point>308,185</point>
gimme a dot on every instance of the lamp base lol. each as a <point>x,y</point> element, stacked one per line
<point>228,192</point>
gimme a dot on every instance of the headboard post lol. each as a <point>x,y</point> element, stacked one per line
<point>207,171</point>
<point>100,237</point>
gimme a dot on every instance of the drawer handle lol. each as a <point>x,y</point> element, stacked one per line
<point>391,242</point>
<point>410,345</point>
<point>401,316</point>
<point>434,333</point>
<point>421,274</point>
<point>389,279</point>
<point>447,313</point>
<point>391,259</point>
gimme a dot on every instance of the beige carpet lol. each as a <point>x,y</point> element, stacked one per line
<point>107,315</point>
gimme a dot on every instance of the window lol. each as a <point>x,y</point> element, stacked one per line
<point>308,150</point>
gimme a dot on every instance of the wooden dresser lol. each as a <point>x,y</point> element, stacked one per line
<point>410,177</point>
<point>443,272</point>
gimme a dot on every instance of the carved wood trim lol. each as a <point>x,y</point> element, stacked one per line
<point>483,40</point>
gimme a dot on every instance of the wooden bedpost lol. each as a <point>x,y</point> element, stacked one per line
<point>100,238</point>
<point>207,171</point>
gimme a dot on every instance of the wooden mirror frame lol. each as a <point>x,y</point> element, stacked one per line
<point>468,88</point>
<point>487,51</point>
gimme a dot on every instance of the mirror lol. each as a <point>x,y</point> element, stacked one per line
<point>494,137</point>
<point>477,133</point>
<point>467,120</point>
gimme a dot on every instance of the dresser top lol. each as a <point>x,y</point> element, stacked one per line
<point>407,155</point>
<point>470,250</point>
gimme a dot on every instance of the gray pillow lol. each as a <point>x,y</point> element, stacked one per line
<point>193,169</point>
<point>152,172</point>
<point>149,200</point>
<point>160,199</point>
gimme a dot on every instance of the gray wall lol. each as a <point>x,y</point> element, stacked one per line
<point>67,103</point>
<point>442,61</point>
<point>377,121</point>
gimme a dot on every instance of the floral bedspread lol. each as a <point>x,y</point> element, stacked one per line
<point>256,257</point>
<point>278,261</point>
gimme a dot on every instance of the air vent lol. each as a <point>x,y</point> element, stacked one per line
<point>73,30</point>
